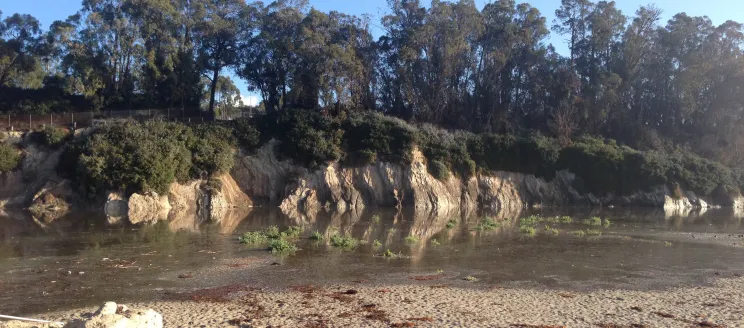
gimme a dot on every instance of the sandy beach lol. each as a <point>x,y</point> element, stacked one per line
<point>428,301</point>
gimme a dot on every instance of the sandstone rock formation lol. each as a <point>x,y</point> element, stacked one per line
<point>111,315</point>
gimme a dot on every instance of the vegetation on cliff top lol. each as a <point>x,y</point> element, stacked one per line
<point>137,157</point>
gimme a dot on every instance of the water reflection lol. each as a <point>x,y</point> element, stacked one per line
<point>38,261</point>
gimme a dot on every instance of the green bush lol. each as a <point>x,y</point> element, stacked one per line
<point>247,134</point>
<point>53,137</point>
<point>438,170</point>
<point>370,136</point>
<point>136,157</point>
<point>10,157</point>
<point>307,137</point>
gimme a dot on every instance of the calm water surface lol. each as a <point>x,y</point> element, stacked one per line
<point>79,261</point>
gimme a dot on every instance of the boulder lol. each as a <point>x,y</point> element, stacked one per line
<point>148,208</point>
<point>52,201</point>
<point>112,315</point>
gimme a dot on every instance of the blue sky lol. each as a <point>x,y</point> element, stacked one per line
<point>47,11</point>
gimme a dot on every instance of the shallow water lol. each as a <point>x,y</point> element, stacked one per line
<point>79,261</point>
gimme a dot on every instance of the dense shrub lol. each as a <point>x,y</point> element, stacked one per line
<point>246,134</point>
<point>10,157</point>
<point>145,157</point>
<point>438,170</point>
<point>447,148</point>
<point>307,137</point>
<point>53,137</point>
<point>370,136</point>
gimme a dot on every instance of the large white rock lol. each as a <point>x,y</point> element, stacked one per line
<point>111,315</point>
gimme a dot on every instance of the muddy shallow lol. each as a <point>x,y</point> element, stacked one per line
<point>78,261</point>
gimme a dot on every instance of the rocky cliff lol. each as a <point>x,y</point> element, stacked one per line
<point>263,179</point>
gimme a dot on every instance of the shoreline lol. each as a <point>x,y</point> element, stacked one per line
<point>368,305</point>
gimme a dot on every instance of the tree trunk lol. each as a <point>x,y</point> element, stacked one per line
<point>212,92</point>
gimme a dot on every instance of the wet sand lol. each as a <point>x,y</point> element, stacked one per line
<point>431,302</point>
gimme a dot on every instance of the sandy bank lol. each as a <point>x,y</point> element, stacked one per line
<point>429,302</point>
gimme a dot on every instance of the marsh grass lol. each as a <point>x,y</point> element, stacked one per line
<point>376,219</point>
<point>282,246</point>
<point>376,243</point>
<point>488,224</point>
<point>593,232</point>
<point>435,242</point>
<point>411,239</point>
<point>451,224</point>
<point>531,220</point>
<point>292,232</point>
<point>392,255</point>
<point>606,223</point>
<point>578,233</point>
<point>253,238</point>
<point>527,230</point>
<point>594,221</point>
<point>550,231</point>
<point>566,220</point>
<point>470,278</point>
<point>272,232</point>
<point>316,235</point>
<point>342,241</point>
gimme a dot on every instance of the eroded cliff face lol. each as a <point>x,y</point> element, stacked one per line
<point>303,193</point>
<point>185,205</point>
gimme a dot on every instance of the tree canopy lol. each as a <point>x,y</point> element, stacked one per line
<point>628,76</point>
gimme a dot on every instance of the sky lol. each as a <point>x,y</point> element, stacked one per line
<point>719,11</point>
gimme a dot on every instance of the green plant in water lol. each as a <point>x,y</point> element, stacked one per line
<point>272,232</point>
<point>391,255</point>
<point>292,232</point>
<point>594,221</point>
<point>411,239</point>
<point>488,224</point>
<point>451,224</point>
<point>667,244</point>
<point>471,278</point>
<point>376,219</point>
<point>344,241</point>
<point>552,220</point>
<point>593,232</point>
<point>527,230</point>
<point>566,220</point>
<point>578,233</point>
<point>435,242</point>
<point>376,243</point>
<point>550,231</point>
<point>253,238</point>
<point>531,220</point>
<point>282,246</point>
<point>316,235</point>
<point>606,223</point>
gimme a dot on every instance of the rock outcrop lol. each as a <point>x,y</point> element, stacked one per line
<point>112,315</point>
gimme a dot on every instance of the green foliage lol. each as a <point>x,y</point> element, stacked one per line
<point>54,137</point>
<point>594,221</point>
<point>307,137</point>
<point>529,221</point>
<point>292,232</point>
<point>470,278</point>
<point>488,224</point>
<point>606,222</point>
<point>451,224</point>
<point>246,133</point>
<point>282,246</point>
<point>593,232</point>
<point>435,242</point>
<point>376,243</point>
<point>254,238</point>
<point>376,219</point>
<point>527,230</point>
<point>411,239</point>
<point>272,232</point>
<point>550,231</point>
<point>369,137</point>
<point>391,255</point>
<point>10,157</point>
<point>342,241</point>
<point>136,157</point>
<point>578,233</point>
<point>316,235</point>
<point>566,220</point>
<point>438,170</point>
